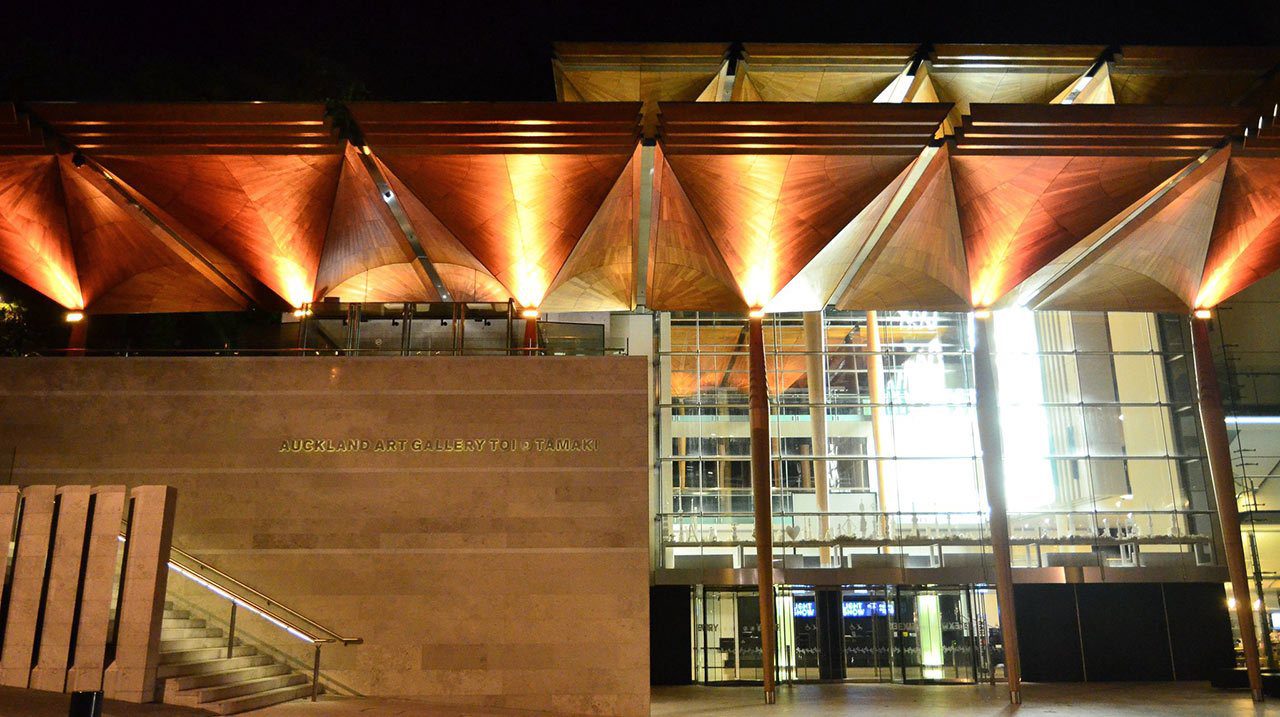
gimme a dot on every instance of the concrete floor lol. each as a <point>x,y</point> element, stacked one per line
<point>1094,700</point>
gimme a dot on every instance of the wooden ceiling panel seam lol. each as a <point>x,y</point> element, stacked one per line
<point>1147,211</point>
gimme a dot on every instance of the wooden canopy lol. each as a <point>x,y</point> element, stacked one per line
<point>113,208</point>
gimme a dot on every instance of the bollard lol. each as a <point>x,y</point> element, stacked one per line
<point>86,704</point>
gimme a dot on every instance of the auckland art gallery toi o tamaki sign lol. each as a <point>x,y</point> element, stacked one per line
<point>439,445</point>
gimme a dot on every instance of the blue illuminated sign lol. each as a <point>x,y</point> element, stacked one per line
<point>804,609</point>
<point>866,608</point>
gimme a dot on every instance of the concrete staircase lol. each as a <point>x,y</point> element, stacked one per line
<point>196,672</point>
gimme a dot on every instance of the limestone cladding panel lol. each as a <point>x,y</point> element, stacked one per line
<point>509,579</point>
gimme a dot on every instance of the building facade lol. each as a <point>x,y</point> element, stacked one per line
<point>931,386</point>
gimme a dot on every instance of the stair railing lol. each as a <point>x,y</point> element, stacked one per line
<point>264,606</point>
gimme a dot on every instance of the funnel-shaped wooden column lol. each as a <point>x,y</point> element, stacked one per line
<point>1218,449</point>
<point>762,499</point>
<point>988,410</point>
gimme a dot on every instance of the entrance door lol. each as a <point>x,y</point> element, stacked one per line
<point>729,636</point>
<point>934,634</point>
<point>867,613</point>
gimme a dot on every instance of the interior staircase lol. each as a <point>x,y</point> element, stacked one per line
<point>195,670</point>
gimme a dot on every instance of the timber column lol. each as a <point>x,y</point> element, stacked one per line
<point>815,373</point>
<point>762,496</point>
<point>988,413</point>
<point>1217,445</point>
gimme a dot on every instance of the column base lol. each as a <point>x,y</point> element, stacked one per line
<point>770,697</point>
<point>1015,697</point>
<point>1257,695</point>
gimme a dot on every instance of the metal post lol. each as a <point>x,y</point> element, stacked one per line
<point>988,413</point>
<point>231,631</point>
<point>1214,422</point>
<point>762,499</point>
<point>315,675</point>
<point>815,373</point>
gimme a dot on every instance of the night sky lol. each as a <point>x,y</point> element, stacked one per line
<point>493,50</point>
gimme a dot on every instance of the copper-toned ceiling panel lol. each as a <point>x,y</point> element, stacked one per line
<point>647,72</point>
<point>363,235</point>
<point>1246,235</point>
<point>814,286</point>
<point>35,247</point>
<point>1154,263</point>
<point>125,268</point>
<point>821,73</point>
<point>686,272</point>
<point>1192,75</point>
<point>388,282</point>
<point>519,214</point>
<point>769,215</point>
<point>1031,74</point>
<point>461,272</point>
<point>1018,212</point>
<point>920,264</point>
<point>1033,182</point>
<point>267,213</point>
<point>255,128</point>
<point>599,273</point>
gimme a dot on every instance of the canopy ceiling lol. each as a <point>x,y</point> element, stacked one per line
<point>889,204</point>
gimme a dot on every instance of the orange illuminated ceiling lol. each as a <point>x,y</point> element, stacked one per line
<point>1036,183</point>
<point>518,185</point>
<point>772,184</point>
<point>794,206</point>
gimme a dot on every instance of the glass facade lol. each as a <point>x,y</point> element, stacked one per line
<point>876,460</point>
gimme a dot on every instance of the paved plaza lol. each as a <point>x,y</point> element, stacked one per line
<point>1060,700</point>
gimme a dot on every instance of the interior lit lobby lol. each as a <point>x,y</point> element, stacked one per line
<point>742,379</point>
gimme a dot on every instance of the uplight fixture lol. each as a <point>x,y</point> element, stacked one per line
<point>756,313</point>
<point>74,316</point>
<point>982,313</point>
<point>1203,314</point>
<point>530,313</point>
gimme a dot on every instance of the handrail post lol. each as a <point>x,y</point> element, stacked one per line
<point>315,675</point>
<point>231,630</point>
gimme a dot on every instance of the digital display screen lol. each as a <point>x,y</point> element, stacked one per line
<point>804,609</point>
<point>866,608</point>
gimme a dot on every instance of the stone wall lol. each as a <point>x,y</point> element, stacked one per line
<point>485,533</point>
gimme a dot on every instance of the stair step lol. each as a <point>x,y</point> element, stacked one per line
<point>225,677</point>
<point>169,622</point>
<point>176,614</point>
<point>168,604</point>
<point>259,700</point>
<point>168,634</point>
<point>260,685</point>
<point>191,643</point>
<point>196,666</point>
<point>204,653</point>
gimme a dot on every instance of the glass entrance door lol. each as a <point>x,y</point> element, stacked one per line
<point>935,639</point>
<point>866,614</point>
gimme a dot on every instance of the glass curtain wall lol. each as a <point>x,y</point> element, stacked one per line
<point>875,449</point>
<point>873,440</point>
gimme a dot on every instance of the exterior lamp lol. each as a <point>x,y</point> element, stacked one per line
<point>529,313</point>
<point>982,313</point>
<point>756,312</point>
<point>1203,314</point>
<point>301,311</point>
<point>74,316</point>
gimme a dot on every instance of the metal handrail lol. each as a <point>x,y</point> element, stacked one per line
<point>261,604</point>
<point>327,635</point>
